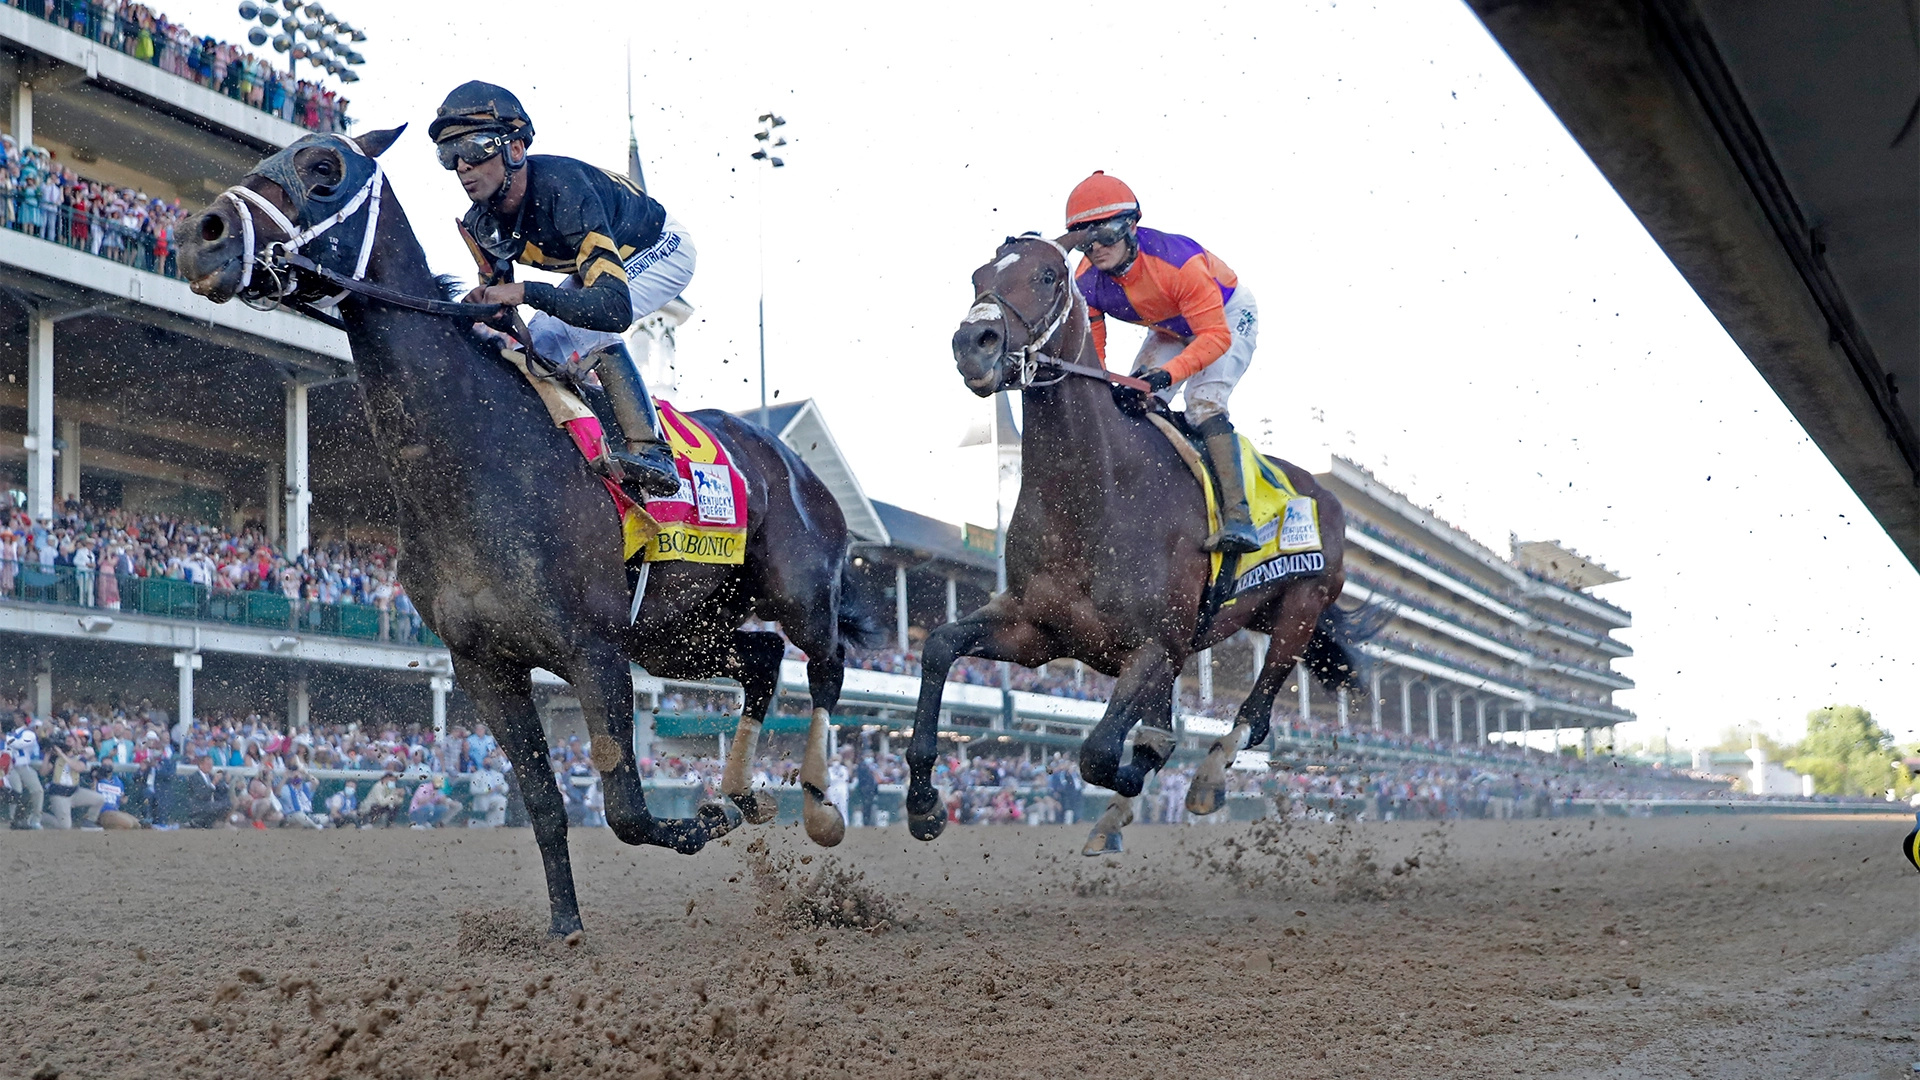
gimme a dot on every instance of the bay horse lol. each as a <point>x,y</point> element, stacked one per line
<point>510,545</point>
<point>1104,563</point>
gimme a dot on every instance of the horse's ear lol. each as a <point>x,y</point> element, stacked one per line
<point>375,143</point>
<point>1072,241</point>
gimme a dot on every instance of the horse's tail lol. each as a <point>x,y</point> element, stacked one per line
<point>860,624</point>
<point>1333,653</point>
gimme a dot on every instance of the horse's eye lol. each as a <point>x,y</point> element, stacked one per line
<point>1047,276</point>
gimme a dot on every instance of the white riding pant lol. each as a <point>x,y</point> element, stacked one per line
<point>1207,390</point>
<point>655,275</point>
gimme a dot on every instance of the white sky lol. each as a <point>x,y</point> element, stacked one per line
<point>1451,294</point>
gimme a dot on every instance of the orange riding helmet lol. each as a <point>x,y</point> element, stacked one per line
<point>1098,198</point>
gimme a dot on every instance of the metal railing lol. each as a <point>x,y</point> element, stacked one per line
<point>84,230</point>
<point>172,598</point>
<point>122,30</point>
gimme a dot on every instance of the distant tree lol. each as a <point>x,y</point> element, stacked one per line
<point>1847,753</point>
<point>1738,740</point>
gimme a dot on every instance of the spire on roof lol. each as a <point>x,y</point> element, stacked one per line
<point>634,173</point>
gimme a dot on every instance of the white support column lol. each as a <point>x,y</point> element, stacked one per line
<point>953,599</point>
<point>1503,719</point>
<point>1306,701</point>
<point>69,487</point>
<point>1406,706</point>
<point>1346,719</point>
<point>1526,724</point>
<point>23,111</point>
<point>276,496</point>
<point>1586,743</point>
<point>39,440</point>
<point>43,685</point>
<point>1433,712</point>
<point>1456,717</point>
<point>188,663</point>
<point>1480,720</point>
<point>900,603</point>
<point>1204,664</point>
<point>1373,683</point>
<point>299,493</point>
<point>299,704</point>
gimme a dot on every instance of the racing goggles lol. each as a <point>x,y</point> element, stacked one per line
<point>1105,233</point>
<point>472,148</point>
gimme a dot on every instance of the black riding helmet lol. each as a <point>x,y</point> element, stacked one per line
<point>478,121</point>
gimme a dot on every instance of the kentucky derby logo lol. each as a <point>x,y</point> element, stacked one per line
<point>713,491</point>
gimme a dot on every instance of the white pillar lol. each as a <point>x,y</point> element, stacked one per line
<point>900,603</point>
<point>1345,720</point>
<point>1306,702</point>
<point>1480,720</point>
<point>441,685</point>
<point>39,416</point>
<point>1503,719</point>
<point>299,704</point>
<point>1433,712</point>
<point>276,495</point>
<point>1374,683</point>
<point>299,494</point>
<point>23,112</point>
<point>1586,743</point>
<point>1205,667</point>
<point>1406,706</point>
<point>953,599</point>
<point>1526,724</point>
<point>1456,717</point>
<point>69,487</point>
<point>188,663</point>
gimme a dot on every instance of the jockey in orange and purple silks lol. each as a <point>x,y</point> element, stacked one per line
<point>1201,325</point>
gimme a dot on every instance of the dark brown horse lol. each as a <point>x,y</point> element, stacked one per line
<point>510,545</point>
<point>1103,552</point>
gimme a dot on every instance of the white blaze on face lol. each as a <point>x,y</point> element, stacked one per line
<point>1006,261</point>
<point>982,312</point>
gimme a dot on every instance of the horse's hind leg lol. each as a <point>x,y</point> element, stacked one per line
<point>1292,626</point>
<point>1144,692</point>
<point>504,699</point>
<point>756,663</point>
<point>824,821</point>
<point>604,684</point>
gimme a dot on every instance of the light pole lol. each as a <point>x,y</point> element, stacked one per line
<point>327,37</point>
<point>769,139</point>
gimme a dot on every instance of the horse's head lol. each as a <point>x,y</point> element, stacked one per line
<point>319,198</point>
<point>1021,301</point>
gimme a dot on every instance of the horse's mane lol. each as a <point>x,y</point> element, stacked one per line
<point>452,286</point>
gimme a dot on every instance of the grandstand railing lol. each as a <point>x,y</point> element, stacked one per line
<point>98,234</point>
<point>113,28</point>
<point>171,598</point>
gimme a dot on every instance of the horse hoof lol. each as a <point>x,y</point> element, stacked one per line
<point>757,807</point>
<point>928,826</point>
<point>718,819</point>
<point>824,824</point>
<point>1103,843</point>
<point>1207,799</point>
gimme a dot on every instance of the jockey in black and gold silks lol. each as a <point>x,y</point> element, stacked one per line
<point>624,256</point>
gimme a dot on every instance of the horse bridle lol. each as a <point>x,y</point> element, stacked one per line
<point>280,259</point>
<point>1030,358</point>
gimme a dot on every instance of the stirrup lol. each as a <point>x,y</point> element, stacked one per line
<point>651,472</point>
<point>1235,539</point>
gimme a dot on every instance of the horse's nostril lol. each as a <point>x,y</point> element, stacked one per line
<point>212,228</point>
<point>988,339</point>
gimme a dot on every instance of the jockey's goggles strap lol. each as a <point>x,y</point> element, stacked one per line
<point>472,148</point>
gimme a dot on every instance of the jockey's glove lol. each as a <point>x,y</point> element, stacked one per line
<point>1158,379</point>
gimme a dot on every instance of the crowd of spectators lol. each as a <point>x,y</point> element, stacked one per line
<point>88,557</point>
<point>42,198</point>
<point>145,34</point>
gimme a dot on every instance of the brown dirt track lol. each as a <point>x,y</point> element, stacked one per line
<point>1708,946</point>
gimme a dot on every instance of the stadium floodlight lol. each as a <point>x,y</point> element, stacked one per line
<point>359,35</point>
<point>257,36</point>
<point>281,43</point>
<point>314,11</point>
<point>310,31</point>
<point>349,76</point>
<point>249,9</point>
<point>268,16</point>
<point>765,140</point>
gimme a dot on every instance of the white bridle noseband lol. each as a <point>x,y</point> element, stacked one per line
<point>1028,354</point>
<point>245,200</point>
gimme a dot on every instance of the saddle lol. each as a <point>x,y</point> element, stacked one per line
<point>705,521</point>
<point>1287,522</point>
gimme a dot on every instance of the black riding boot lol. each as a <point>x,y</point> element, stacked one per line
<point>648,463</point>
<point>1236,523</point>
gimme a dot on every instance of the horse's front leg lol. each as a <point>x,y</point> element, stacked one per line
<point>503,698</point>
<point>987,633</point>
<point>603,682</point>
<point>1144,691</point>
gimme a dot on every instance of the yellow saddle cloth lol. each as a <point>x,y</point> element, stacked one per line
<point>1287,522</point>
